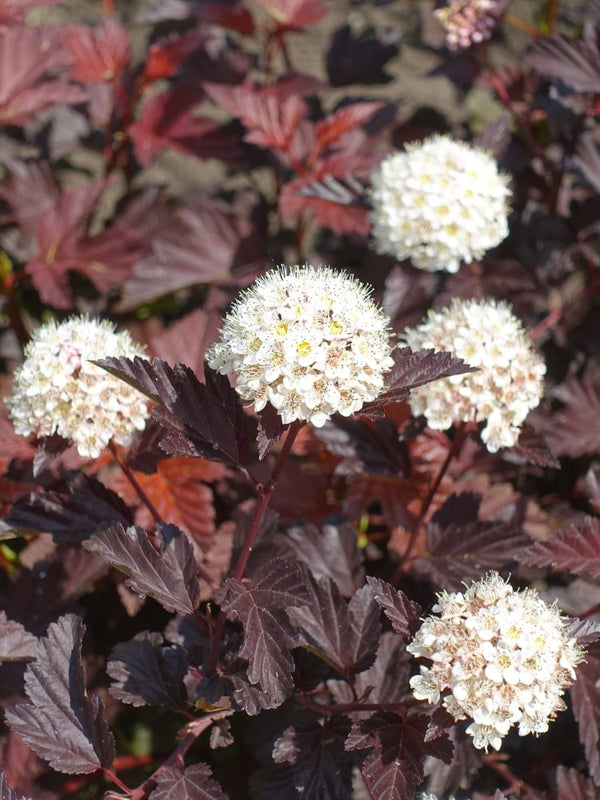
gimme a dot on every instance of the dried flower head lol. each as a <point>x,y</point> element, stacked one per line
<point>508,383</point>
<point>468,22</point>
<point>308,340</point>
<point>438,203</point>
<point>57,390</point>
<point>499,657</point>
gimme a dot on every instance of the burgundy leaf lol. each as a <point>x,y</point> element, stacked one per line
<point>194,783</point>
<point>161,565</point>
<point>401,612</point>
<point>228,13</point>
<point>331,552</point>
<point>270,429</point>
<point>73,515</point>
<point>16,644</point>
<point>359,56</point>
<point>262,607</point>
<point>311,756</point>
<point>98,56</point>
<point>572,785</point>
<point>531,448</point>
<point>575,549</point>
<point>26,55</point>
<point>55,686</point>
<point>412,369</point>
<point>199,419</point>
<point>293,15</point>
<point>271,113</point>
<point>169,120</point>
<point>574,61</point>
<point>461,552</point>
<point>587,158</point>
<point>164,57</point>
<point>147,672</point>
<point>575,430</point>
<point>374,449</point>
<point>585,695</point>
<point>344,635</point>
<point>394,767</point>
<point>345,119</point>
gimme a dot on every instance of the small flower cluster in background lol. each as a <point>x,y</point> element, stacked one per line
<point>499,657</point>
<point>439,203</point>
<point>508,382</point>
<point>308,340</point>
<point>58,390</point>
<point>468,22</point>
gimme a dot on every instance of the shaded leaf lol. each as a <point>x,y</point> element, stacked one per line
<point>262,608</point>
<point>345,119</point>
<point>331,552</point>
<point>394,767</point>
<point>531,448</point>
<point>6,793</point>
<point>194,783</point>
<point>147,672</point>
<point>575,549</point>
<point>359,56</point>
<point>169,120</point>
<point>73,515</point>
<point>401,612</point>
<point>375,448</point>
<point>100,55</point>
<point>585,695</point>
<point>55,686</point>
<point>574,61</point>
<point>161,565</point>
<point>16,644</point>
<point>412,369</point>
<point>199,419</point>
<point>270,429</point>
<point>587,158</point>
<point>572,785</point>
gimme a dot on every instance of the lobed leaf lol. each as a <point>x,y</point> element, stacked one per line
<point>55,686</point>
<point>193,783</point>
<point>161,566</point>
<point>575,549</point>
<point>401,612</point>
<point>585,696</point>
<point>204,420</point>
<point>573,785</point>
<point>263,609</point>
<point>98,56</point>
<point>574,61</point>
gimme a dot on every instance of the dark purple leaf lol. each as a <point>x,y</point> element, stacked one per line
<point>585,695</point>
<point>331,552</point>
<point>161,565</point>
<point>16,644</point>
<point>574,61</point>
<point>587,159</point>
<point>204,420</point>
<point>375,448</point>
<point>360,56</point>
<point>573,785</point>
<point>343,635</point>
<point>412,369</point>
<point>270,429</point>
<point>401,612</point>
<point>194,783</point>
<point>146,671</point>
<point>394,767</point>
<point>314,758</point>
<point>531,448</point>
<point>575,549</point>
<point>73,515</point>
<point>262,608</point>
<point>62,723</point>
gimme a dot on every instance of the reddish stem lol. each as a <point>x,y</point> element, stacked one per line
<point>452,452</point>
<point>134,482</point>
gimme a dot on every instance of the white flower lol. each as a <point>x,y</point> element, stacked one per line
<point>508,383</point>
<point>57,390</point>
<point>308,340</point>
<point>438,203</point>
<point>499,657</point>
<point>468,22</point>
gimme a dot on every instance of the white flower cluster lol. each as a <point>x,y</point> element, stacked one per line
<point>57,390</point>
<point>438,203</point>
<point>308,340</point>
<point>509,380</point>
<point>468,22</point>
<point>499,657</point>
